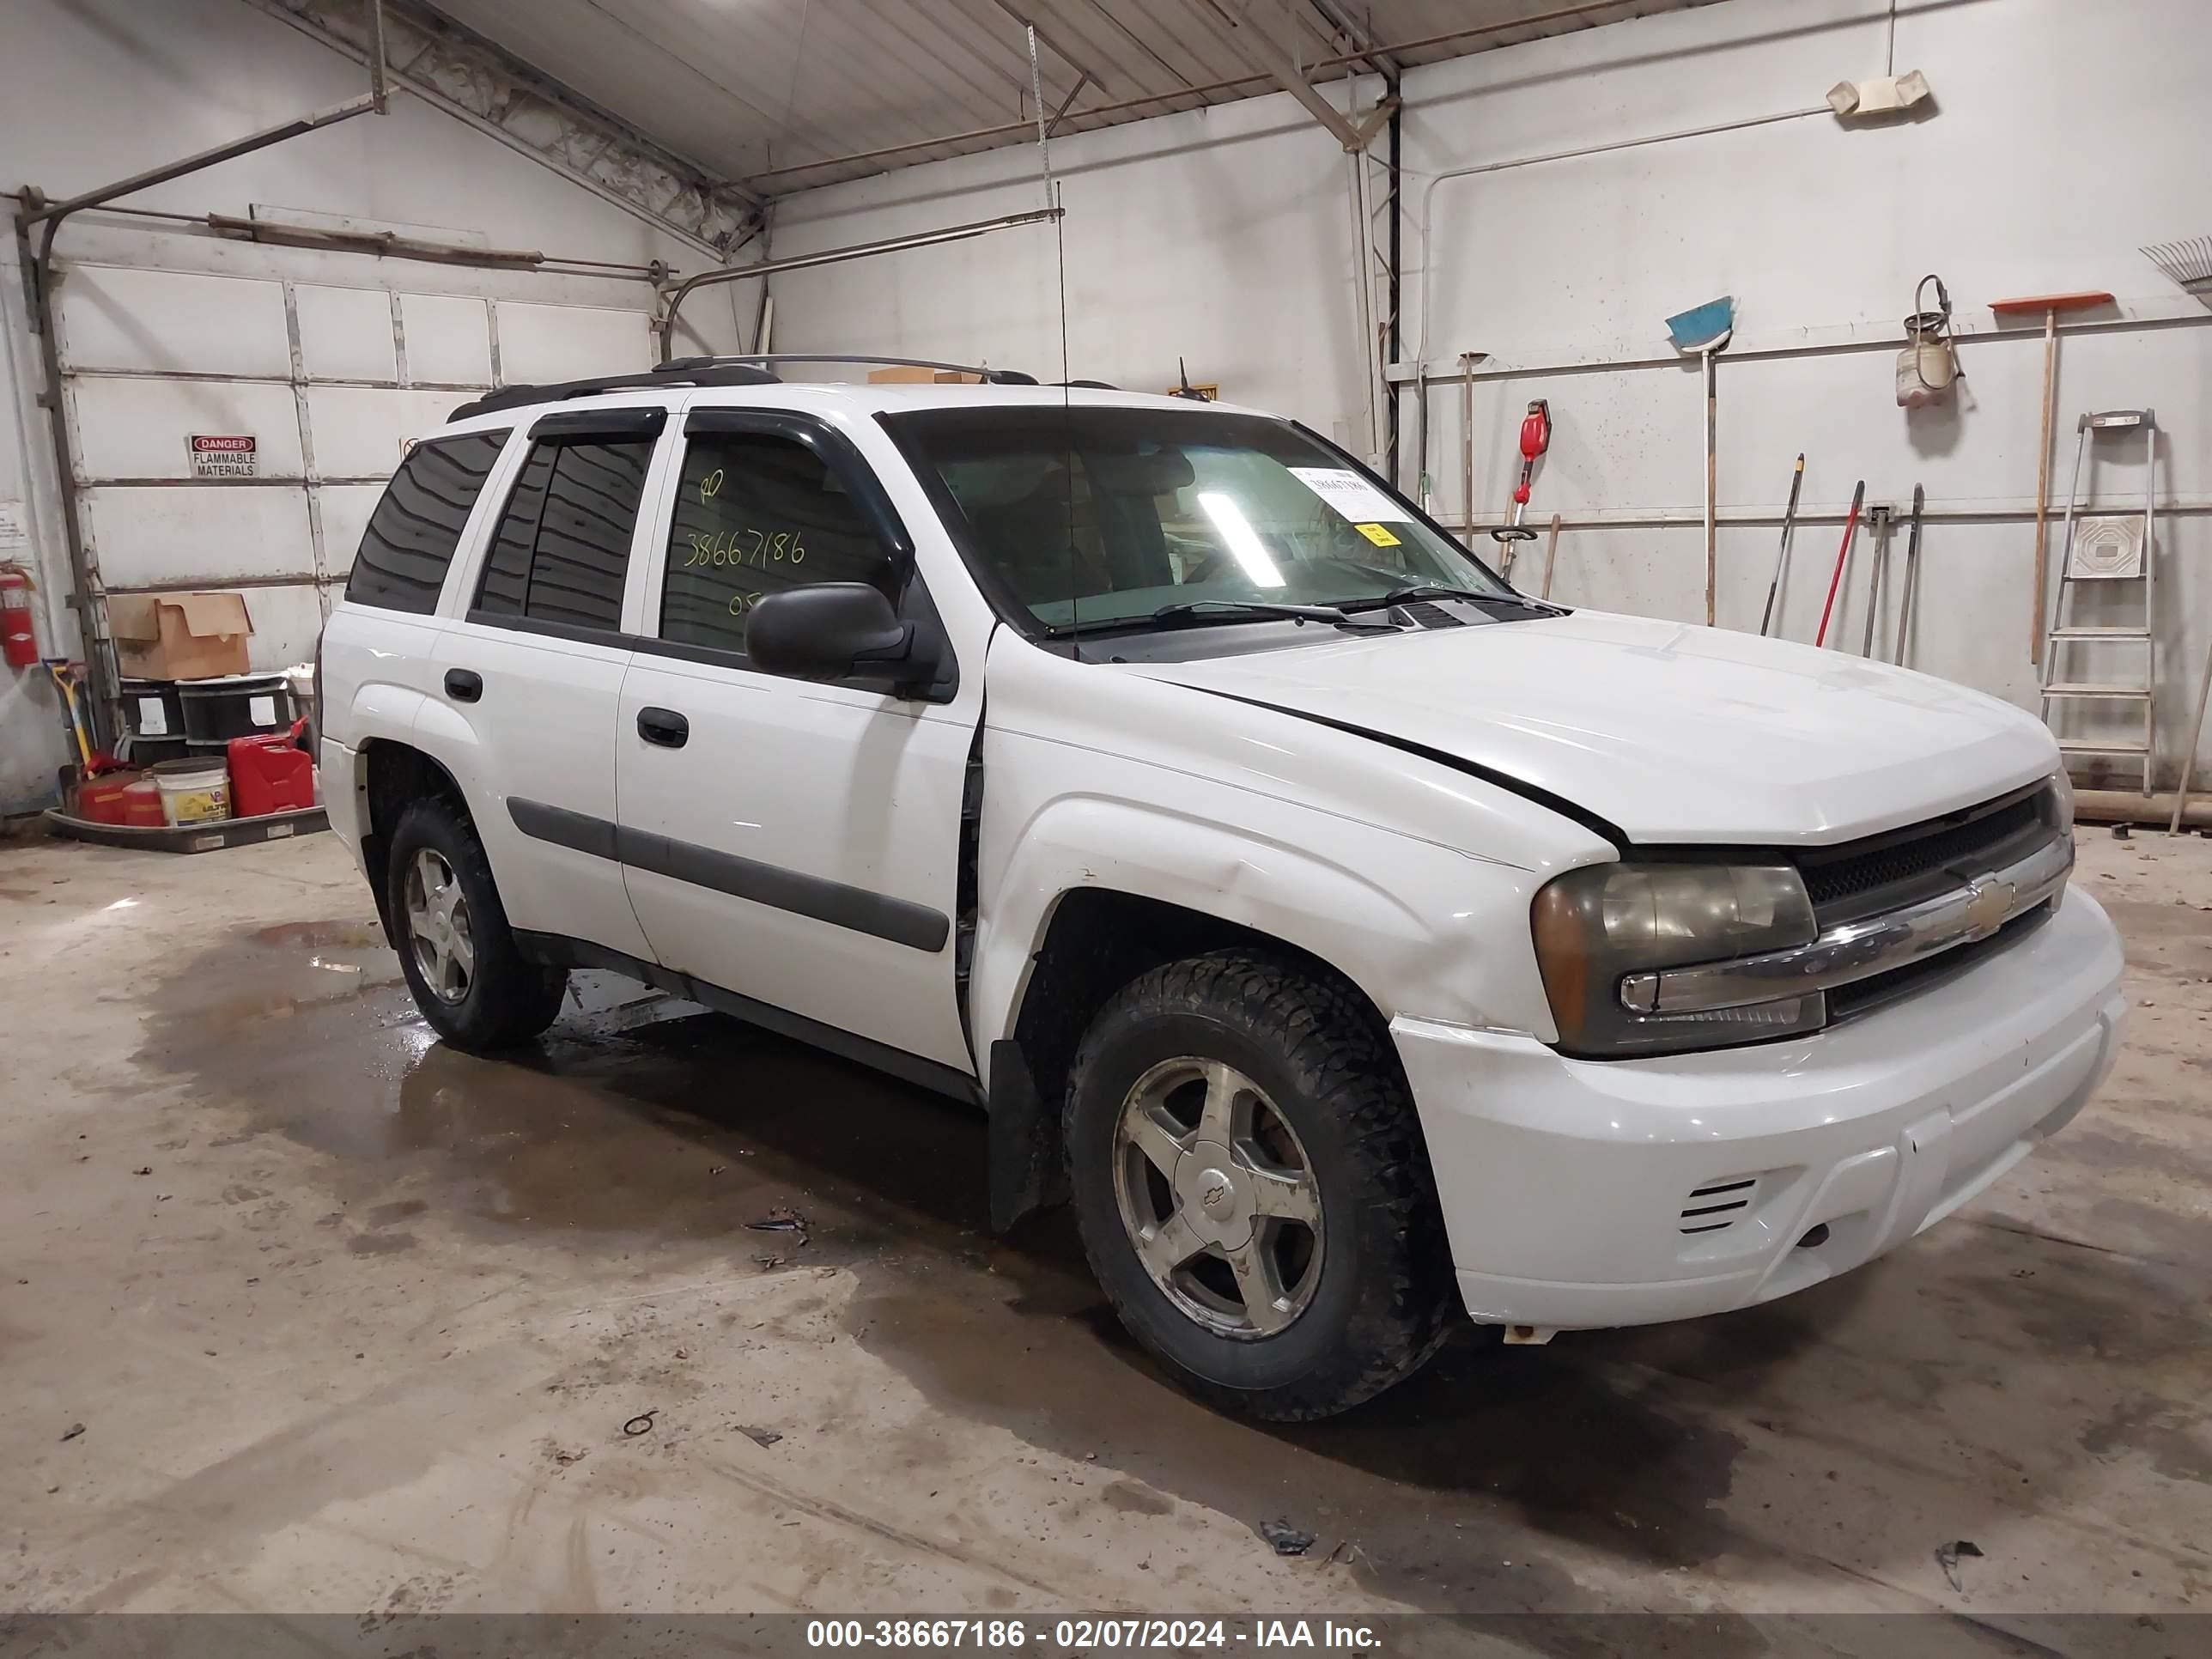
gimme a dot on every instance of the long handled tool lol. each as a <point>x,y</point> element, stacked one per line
<point>1467,362</point>
<point>1910,589</point>
<point>1703,331</point>
<point>2050,304</point>
<point>1843,552</point>
<point>1551,557</point>
<point>2189,746</point>
<point>73,713</point>
<point>1782,553</point>
<point>1536,439</point>
<point>1878,526</point>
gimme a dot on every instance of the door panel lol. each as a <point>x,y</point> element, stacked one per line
<point>800,847</point>
<point>542,728</point>
<point>533,670</point>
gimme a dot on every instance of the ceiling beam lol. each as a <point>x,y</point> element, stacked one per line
<point>1084,71</point>
<point>479,83</point>
<point>1275,55</point>
<point>1237,85</point>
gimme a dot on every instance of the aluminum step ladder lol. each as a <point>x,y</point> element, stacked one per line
<point>2101,548</point>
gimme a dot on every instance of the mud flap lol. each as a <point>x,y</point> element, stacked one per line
<point>1027,1170</point>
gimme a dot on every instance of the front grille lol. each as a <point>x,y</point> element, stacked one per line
<point>1864,996</point>
<point>1889,871</point>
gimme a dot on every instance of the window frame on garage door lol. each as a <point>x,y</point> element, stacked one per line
<point>152,353</point>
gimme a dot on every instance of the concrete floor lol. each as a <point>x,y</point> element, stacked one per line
<point>352,1323</point>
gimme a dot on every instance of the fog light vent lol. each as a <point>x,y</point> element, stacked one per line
<point>1719,1204</point>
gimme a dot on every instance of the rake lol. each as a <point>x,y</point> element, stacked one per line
<point>2187,263</point>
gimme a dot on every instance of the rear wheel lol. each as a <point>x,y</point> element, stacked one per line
<point>1251,1186</point>
<point>469,977</point>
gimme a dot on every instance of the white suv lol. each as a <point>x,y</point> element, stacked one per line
<point>1345,934</point>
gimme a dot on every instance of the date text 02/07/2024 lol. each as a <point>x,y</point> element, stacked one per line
<point>1091,1633</point>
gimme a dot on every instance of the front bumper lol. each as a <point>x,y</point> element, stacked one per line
<point>1583,1194</point>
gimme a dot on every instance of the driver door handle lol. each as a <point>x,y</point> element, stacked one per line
<point>664,726</point>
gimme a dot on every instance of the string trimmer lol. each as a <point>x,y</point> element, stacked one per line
<point>1536,439</point>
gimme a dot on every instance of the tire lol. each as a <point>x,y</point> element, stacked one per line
<point>498,1000</point>
<point>1366,1290</point>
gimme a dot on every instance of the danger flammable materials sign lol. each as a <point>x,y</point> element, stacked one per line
<point>223,457</point>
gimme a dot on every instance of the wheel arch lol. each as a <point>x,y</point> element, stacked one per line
<point>394,773</point>
<point>1097,939</point>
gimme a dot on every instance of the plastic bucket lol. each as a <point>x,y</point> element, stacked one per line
<point>194,791</point>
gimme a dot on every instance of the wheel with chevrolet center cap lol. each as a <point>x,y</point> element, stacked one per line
<point>1251,1186</point>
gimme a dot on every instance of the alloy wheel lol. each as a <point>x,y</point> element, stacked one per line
<point>1218,1198</point>
<point>438,927</point>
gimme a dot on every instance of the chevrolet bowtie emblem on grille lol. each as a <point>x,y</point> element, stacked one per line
<point>1986,910</point>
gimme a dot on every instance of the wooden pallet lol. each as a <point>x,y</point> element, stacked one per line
<point>191,837</point>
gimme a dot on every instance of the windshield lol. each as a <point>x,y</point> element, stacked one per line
<point>1096,517</point>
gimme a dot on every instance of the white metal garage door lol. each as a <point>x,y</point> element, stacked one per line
<point>327,380</point>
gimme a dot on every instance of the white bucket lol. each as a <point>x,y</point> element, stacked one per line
<point>194,791</point>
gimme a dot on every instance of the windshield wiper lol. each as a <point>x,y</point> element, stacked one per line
<point>1444,591</point>
<point>1317,613</point>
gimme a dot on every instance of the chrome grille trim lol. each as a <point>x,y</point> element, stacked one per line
<point>1854,951</point>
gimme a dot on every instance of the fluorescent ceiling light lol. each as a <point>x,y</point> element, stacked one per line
<point>1243,542</point>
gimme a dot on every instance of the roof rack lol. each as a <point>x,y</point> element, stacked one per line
<point>751,369</point>
<point>694,371</point>
<point>991,376</point>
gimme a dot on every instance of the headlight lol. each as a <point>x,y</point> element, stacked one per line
<point>2062,799</point>
<point>1595,924</point>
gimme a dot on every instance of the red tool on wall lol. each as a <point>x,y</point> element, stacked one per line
<point>1843,553</point>
<point>1536,439</point>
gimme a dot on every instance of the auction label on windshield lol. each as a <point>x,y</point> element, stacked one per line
<point>1358,501</point>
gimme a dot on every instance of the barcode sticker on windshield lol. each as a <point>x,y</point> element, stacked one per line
<point>1358,501</point>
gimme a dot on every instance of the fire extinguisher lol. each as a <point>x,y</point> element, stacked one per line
<point>21,644</point>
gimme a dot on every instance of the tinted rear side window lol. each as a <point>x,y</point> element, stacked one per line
<point>412,535</point>
<point>563,545</point>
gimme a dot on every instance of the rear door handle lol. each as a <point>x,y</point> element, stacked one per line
<point>464,684</point>
<point>664,726</point>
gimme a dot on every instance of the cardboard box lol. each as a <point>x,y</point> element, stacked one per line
<point>906,374</point>
<point>179,637</point>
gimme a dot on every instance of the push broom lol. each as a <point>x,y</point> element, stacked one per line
<point>1701,331</point>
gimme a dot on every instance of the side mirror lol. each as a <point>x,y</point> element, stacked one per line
<point>834,630</point>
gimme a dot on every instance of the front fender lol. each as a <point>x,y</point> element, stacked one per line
<point>1413,925</point>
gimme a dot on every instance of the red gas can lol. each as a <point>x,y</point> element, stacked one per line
<point>269,774</point>
<point>130,797</point>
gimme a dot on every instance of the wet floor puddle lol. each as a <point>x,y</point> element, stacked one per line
<point>641,1118</point>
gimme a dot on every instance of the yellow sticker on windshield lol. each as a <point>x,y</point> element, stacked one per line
<point>1378,534</point>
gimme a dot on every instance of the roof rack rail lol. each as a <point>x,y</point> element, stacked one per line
<point>751,369</point>
<point>692,371</point>
<point>764,359</point>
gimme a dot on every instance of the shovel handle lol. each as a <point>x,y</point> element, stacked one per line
<point>1843,552</point>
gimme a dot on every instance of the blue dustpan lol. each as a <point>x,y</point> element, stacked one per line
<point>1703,328</point>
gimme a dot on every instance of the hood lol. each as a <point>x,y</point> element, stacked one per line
<point>1668,731</point>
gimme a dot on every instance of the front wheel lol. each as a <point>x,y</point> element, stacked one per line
<point>1252,1189</point>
